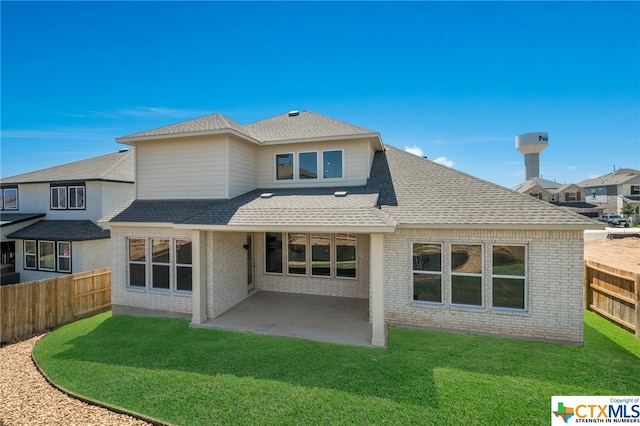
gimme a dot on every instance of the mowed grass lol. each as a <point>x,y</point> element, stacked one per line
<point>164,370</point>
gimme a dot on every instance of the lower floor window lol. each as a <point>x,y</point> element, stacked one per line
<point>169,263</point>
<point>466,276</point>
<point>50,256</point>
<point>315,255</point>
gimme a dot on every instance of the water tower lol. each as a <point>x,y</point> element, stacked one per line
<point>531,145</point>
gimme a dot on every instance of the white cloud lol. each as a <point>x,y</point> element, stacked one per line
<point>444,161</point>
<point>415,150</point>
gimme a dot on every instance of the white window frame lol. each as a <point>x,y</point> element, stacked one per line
<point>34,254</point>
<point>40,268</point>
<point>465,274</point>
<point>84,193</point>
<point>137,262</point>
<point>525,277</point>
<point>296,175</point>
<point>293,165</point>
<point>4,205</point>
<point>60,255</point>
<point>335,260</point>
<point>306,254</point>
<point>635,190</point>
<point>59,190</point>
<point>428,272</point>
<point>283,255</point>
<point>165,264</point>
<point>181,265</point>
<point>342,161</point>
<point>331,255</point>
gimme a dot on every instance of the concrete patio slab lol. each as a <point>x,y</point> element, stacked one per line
<point>322,318</point>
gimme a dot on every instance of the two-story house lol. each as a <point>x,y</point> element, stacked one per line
<point>49,216</point>
<point>303,203</point>
<point>614,189</point>
<point>569,196</point>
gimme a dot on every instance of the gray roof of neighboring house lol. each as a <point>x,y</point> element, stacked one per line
<point>284,127</point>
<point>404,189</point>
<point>618,177</point>
<point>537,181</point>
<point>61,230</point>
<point>7,219</point>
<point>114,167</point>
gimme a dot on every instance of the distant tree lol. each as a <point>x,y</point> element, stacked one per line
<point>628,209</point>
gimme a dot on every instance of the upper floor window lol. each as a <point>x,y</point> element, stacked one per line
<point>306,165</point>
<point>9,198</point>
<point>635,189</point>
<point>65,197</point>
<point>572,196</point>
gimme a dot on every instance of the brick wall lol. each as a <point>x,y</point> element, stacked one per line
<point>555,270</point>
<point>156,300</point>
<point>355,288</point>
<point>226,271</point>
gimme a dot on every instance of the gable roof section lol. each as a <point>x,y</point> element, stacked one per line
<point>544,184</point>
<point>209,124</point>
<point>417,192</point>
<point>114,167</point>
<point>303,126</point>
<point>618,177</point>
<point>61,230</point>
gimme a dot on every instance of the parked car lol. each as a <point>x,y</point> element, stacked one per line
<point>614,220</point>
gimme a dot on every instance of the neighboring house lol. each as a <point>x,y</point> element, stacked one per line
<point>304,203</point>
<point>49,216</point>
<point>570,196</point>
<point>614,189</point>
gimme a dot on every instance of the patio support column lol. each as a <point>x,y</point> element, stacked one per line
<point>378,332</point>
<point>199,290</point>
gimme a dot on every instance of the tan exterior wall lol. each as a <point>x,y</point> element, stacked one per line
<point>339,287</point>
<point>168,301</point>
<point>226,271</point>
<point>355,162</point>
<point>242,167</point>
<point>555,271</point>
<point>190,168</point>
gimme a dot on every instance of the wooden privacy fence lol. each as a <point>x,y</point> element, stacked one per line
<point>35,306</point>
<point>614,294</point>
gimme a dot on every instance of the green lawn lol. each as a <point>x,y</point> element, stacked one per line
<point>164,370</point>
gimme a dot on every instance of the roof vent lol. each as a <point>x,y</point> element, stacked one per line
<point>294,113</point>
<point>340,193</point>
<point>123,150</point>
<point>266,195</point>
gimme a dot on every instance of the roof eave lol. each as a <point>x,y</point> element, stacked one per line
<point>374,135</point>
<point>508,226</point>
<point>133,140</point>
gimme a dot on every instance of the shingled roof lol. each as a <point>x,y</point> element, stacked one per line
<point>61,230</point>
<point>298,126</point>
<point>114,167</point>
<point>618,177</point>
<point>404,190</point>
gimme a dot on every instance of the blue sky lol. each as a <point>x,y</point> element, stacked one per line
<point>456,81</point>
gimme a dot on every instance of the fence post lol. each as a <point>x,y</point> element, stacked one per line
<point>637,289</point>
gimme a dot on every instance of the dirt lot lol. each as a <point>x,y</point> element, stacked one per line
<point>621,253</point>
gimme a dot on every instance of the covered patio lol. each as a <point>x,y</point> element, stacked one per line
<point>322,318</point>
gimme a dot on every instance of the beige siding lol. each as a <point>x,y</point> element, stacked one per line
<point>242,167</point>
<point>371,152</point>
<point>356,167</point>
<point>193,168</point>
